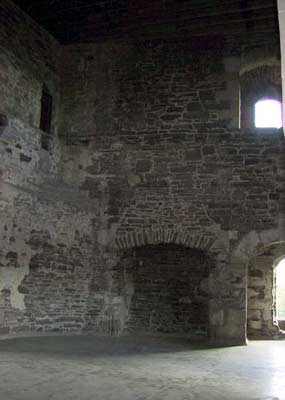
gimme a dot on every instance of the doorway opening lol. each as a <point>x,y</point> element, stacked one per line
<point>279,295</point>
<point>266,293</point>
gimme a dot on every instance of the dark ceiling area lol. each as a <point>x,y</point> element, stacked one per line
<point>72,21</point>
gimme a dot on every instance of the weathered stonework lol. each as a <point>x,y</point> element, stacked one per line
<point>145,88</point>
<point>209,202</point>
<point>42,263</point>
<point>44,258</point>
<point>149,165</point>
<point>238,172</point>
<point>28,59</point>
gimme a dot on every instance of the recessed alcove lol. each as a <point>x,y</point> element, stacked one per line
<point>165,287</point>
<point>261,95</point>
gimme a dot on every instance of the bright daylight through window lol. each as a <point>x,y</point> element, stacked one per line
<point>280,290</point>
<point>268,114</point>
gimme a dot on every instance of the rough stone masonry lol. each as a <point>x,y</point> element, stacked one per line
<point>148,207</point>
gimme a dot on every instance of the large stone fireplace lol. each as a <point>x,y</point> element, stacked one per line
<point>165,288</point>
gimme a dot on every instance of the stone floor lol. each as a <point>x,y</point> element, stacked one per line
<point>90,368</point>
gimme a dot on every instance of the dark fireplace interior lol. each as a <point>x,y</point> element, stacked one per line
<point>165,288</point>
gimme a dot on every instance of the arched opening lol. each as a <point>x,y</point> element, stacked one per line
<point>158,289</point>
<point>169,289</point>
<point>268,114</point>
<point>279,295</point>
<point>261,96</point>
<point>266,293</point>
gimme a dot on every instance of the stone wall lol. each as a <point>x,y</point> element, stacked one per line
<point>46,250</point>
<point>205,191</point>
<point>29,58</point>
<point>150,140</point>
<point>146,87</point>
<point>149,157</point>
<point>202,183</point>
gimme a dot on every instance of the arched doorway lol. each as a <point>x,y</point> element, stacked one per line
<point>279,294</point>
<point>266,293</point>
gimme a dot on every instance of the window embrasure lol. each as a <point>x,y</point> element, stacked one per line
<point>46,117</point>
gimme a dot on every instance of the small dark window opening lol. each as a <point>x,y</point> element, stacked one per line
<point>46,115</point>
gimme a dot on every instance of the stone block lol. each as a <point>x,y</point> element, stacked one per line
<point>193,155</point>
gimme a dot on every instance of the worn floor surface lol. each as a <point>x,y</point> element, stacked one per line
<point>90,368</point>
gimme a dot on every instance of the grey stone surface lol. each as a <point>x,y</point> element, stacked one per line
<point>86,368</point>
<point>29,58</point>
<point>144,152</point>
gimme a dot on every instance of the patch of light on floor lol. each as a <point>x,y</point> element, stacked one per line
<point>278,377</point>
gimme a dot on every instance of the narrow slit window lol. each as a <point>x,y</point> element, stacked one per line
<point>46,117</point>
<point>279,295</point>
<point>268,114</point>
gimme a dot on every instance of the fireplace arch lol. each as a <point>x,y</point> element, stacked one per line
<point>164,289</point>
<point>158,236</point>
